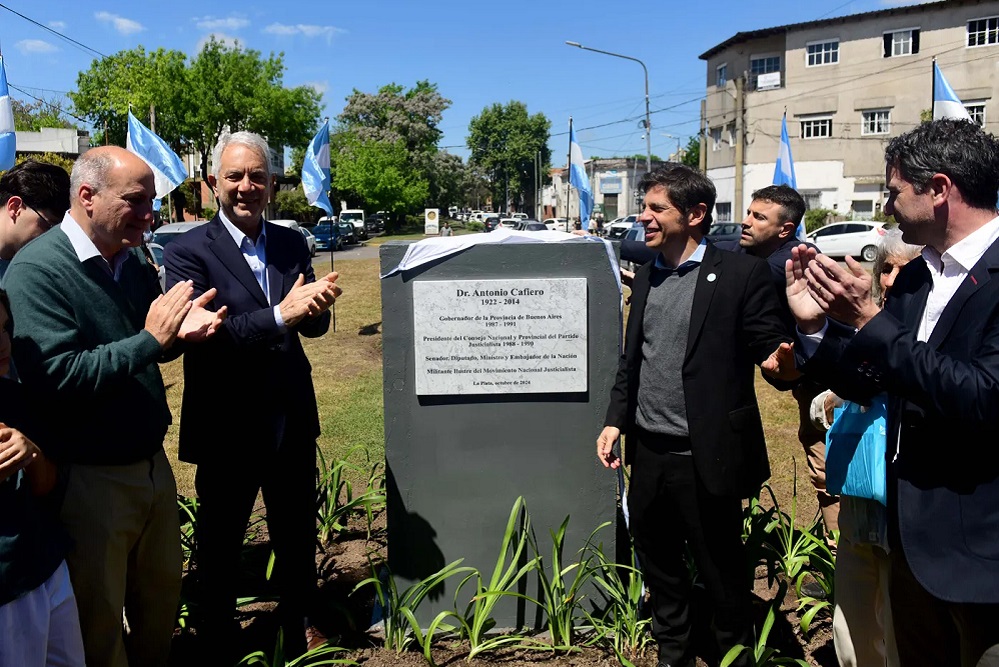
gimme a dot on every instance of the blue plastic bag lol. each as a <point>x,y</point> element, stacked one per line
<point>855,451</point>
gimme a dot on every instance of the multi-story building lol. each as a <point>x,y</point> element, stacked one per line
<point>614,182</point>
<point>847,85</point>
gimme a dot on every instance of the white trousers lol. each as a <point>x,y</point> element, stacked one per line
<point>42,628</point>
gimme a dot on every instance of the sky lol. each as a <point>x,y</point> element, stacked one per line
<point>478,53</point>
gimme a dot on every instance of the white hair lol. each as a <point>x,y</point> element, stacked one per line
<point>91,168</point>
<point>249,139</point>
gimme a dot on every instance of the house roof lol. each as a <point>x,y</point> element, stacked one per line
<point>740,37</point>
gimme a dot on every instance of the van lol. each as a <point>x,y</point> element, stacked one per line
<point>355,216</point>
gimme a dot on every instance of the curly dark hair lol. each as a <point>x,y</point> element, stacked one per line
<point>685,187</point>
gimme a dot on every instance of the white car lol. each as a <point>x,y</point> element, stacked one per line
<point>557,224</point>
<point>619,227</point>
<point>857,238</point>
<point>520,216</point>
<point>509,223</point>
<point>166,233</point>
<point>310,240</point>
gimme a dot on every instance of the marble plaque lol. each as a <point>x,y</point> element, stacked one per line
<point>517,336</point>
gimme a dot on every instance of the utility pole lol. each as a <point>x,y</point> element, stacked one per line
<point>702,161</point>
<point>740,143</point>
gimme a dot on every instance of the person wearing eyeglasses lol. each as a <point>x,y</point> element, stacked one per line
<point>34,197</point>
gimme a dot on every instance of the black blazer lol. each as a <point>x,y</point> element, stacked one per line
<point>944,398</point>
<point>248,361</point>
<point>735,325</point>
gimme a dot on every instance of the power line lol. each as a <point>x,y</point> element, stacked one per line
<point>48,104</point>
<point>54,32</point>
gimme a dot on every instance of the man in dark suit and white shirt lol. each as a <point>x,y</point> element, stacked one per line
<point>264,277</point>
<point>701,319</point>
<point>935,350</point>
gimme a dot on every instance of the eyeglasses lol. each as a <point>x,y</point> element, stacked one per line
<point>48,224</point>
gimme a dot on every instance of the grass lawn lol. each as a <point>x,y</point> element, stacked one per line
<point>347,367</point>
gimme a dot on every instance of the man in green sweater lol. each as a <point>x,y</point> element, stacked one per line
<point>91,327</point>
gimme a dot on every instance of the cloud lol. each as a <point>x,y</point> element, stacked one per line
<point>57,25</point>
<point>227,40</point>
<point>215,23</point>
<point>29,46</point>
<point>121,24</point>
<point>305,30</point>
<point>321,87</point>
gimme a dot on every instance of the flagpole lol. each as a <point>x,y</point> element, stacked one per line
<point>933,87</point>
<point>568,178</point>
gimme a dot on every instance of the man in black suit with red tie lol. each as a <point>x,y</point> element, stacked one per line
<point>263,274</point>
<point>701,320</point>
<point>934,350</point>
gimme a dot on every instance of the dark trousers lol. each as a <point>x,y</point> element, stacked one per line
<point>930,631</point>
<point>227,492</point>
<point>670,510</point>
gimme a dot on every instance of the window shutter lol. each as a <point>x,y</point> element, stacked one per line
<point>887,37</point>
<point>915,41</point>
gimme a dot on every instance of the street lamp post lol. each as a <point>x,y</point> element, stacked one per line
<point>648,122</point>
<point>673,136</point>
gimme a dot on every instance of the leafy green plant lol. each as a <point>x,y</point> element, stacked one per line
<point>188,508</point>
<point>755,535</point>
<point>793,547</point>
<point>314,658</point>
<point>474,226</point>
<point>619,621</point>
<point>399,610</point>
<point>763,655</point>
<point>477,619</point>
<point>561,603</point>
<point>335,500</point>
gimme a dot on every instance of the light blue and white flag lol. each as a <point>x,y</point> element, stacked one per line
<point>8,140</point>
<point>946,103</point>
<point>316,170</point>
<point>578,178</point>
<point>168,169</point>
<point>784,170</point>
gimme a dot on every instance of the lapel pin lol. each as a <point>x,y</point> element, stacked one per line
<point>711,277</point>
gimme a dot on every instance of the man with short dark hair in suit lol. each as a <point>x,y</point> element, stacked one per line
<point>701,319</point>
<point>935,350</point>
<point>263,274</point>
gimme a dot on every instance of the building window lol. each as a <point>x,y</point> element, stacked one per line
<point>863,209</point>
<point>722,75</point>
<point>982,32</point>
<point>877,121</point>
<point>730,134</point>
<point>762,65</point>
<point>816,127</point>
<point>716,133</point>
<point>977,112</point>
<point>901,43</point>
<point>723,211</point>
<point>822,53</point>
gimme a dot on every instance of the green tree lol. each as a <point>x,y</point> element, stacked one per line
<point>33,116</point>
<point>445,180</point>
<point>51,158</point>
<point>505,141</point>
<point>293,204</point>
<point>380,173</point>
<point>692,153</point>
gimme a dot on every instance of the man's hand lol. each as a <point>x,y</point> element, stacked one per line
<point>843,295</point>
<point>780,365</point>
<point>201,323</point>
<point>17,451</point>
<point>605,447</point>
<point>309,299</point>
<point>166,314</point>
<point>807,312</point>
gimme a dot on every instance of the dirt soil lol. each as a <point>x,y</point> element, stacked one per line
<point>347,561</point>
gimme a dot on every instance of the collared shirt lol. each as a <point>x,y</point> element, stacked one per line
<point>85,249</point>
<point>949,270</point>
<point>695,258</point>
<point>255,255</point>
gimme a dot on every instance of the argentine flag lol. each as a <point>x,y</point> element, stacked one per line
<point>168,169</point>
<point>316,170</point>
<point>946,103</point>
<point>578,178</point>
<point>784,170</point>
<point>8,141</point>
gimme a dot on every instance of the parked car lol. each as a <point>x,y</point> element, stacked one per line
<point>491,221</point>
<point>327,234</point>
<point>636,233</point>
<point>619,227</point>
<point>534,226</point>
<point>725,231</point>
<point>520,216</point>
<point>375,224</point>
<point>557,224</point>
<point>156,250</point>
<point>310,240</point>
<point>348,232</point>
<point>171,231</point>
<point>857,238</point>
<point>509,223</point>
<point>356,217</point>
